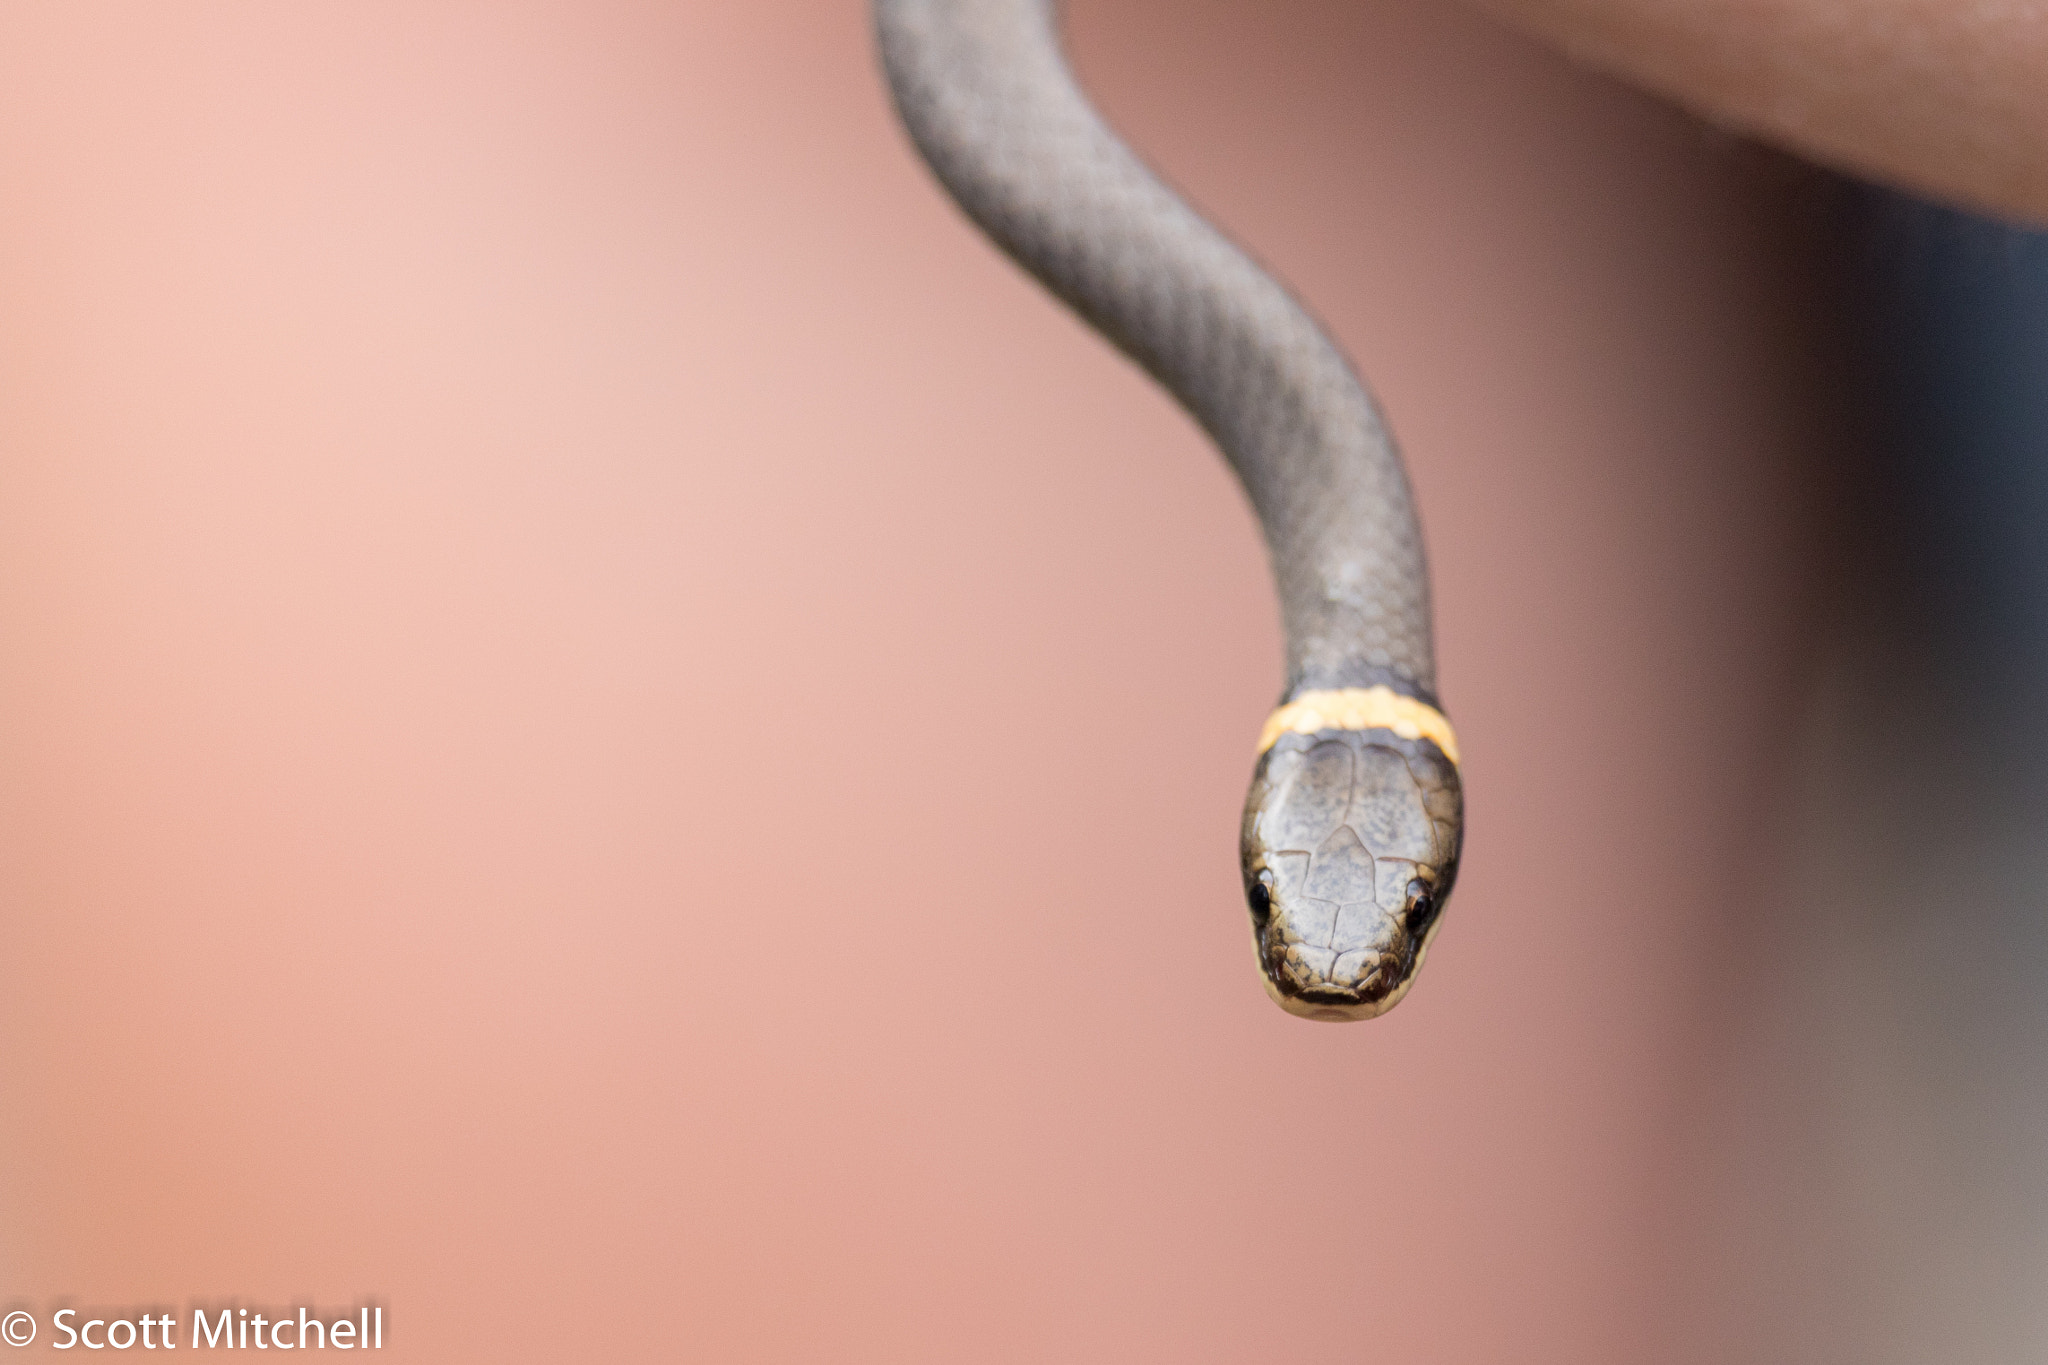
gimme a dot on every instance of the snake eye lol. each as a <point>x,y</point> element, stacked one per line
<point>1421,906</point>
<point>1260,894</point>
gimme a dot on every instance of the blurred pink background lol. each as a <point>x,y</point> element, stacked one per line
<point>614,736</point>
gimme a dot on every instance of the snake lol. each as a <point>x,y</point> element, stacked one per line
<point>1354,823</point>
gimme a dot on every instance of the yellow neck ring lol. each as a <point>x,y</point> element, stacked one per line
<point>1361,708</point>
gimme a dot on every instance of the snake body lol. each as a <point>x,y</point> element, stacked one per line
<point>1353,826</point>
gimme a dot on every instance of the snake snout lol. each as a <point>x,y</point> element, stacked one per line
<point>1335,982</point>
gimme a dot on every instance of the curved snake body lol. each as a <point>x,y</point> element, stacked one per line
<point>1353,825</point>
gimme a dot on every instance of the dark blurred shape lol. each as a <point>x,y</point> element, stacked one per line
<point>1881,1158</point>
<point>1948,326</point>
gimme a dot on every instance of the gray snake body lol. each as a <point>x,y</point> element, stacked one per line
<point>1353,825</point>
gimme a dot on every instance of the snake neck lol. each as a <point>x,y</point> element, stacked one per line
<point>987,96</point>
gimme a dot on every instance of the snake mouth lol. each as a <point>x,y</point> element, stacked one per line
<point>1298,986</point>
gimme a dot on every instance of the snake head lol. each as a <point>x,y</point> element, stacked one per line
<point>1350,849</point>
